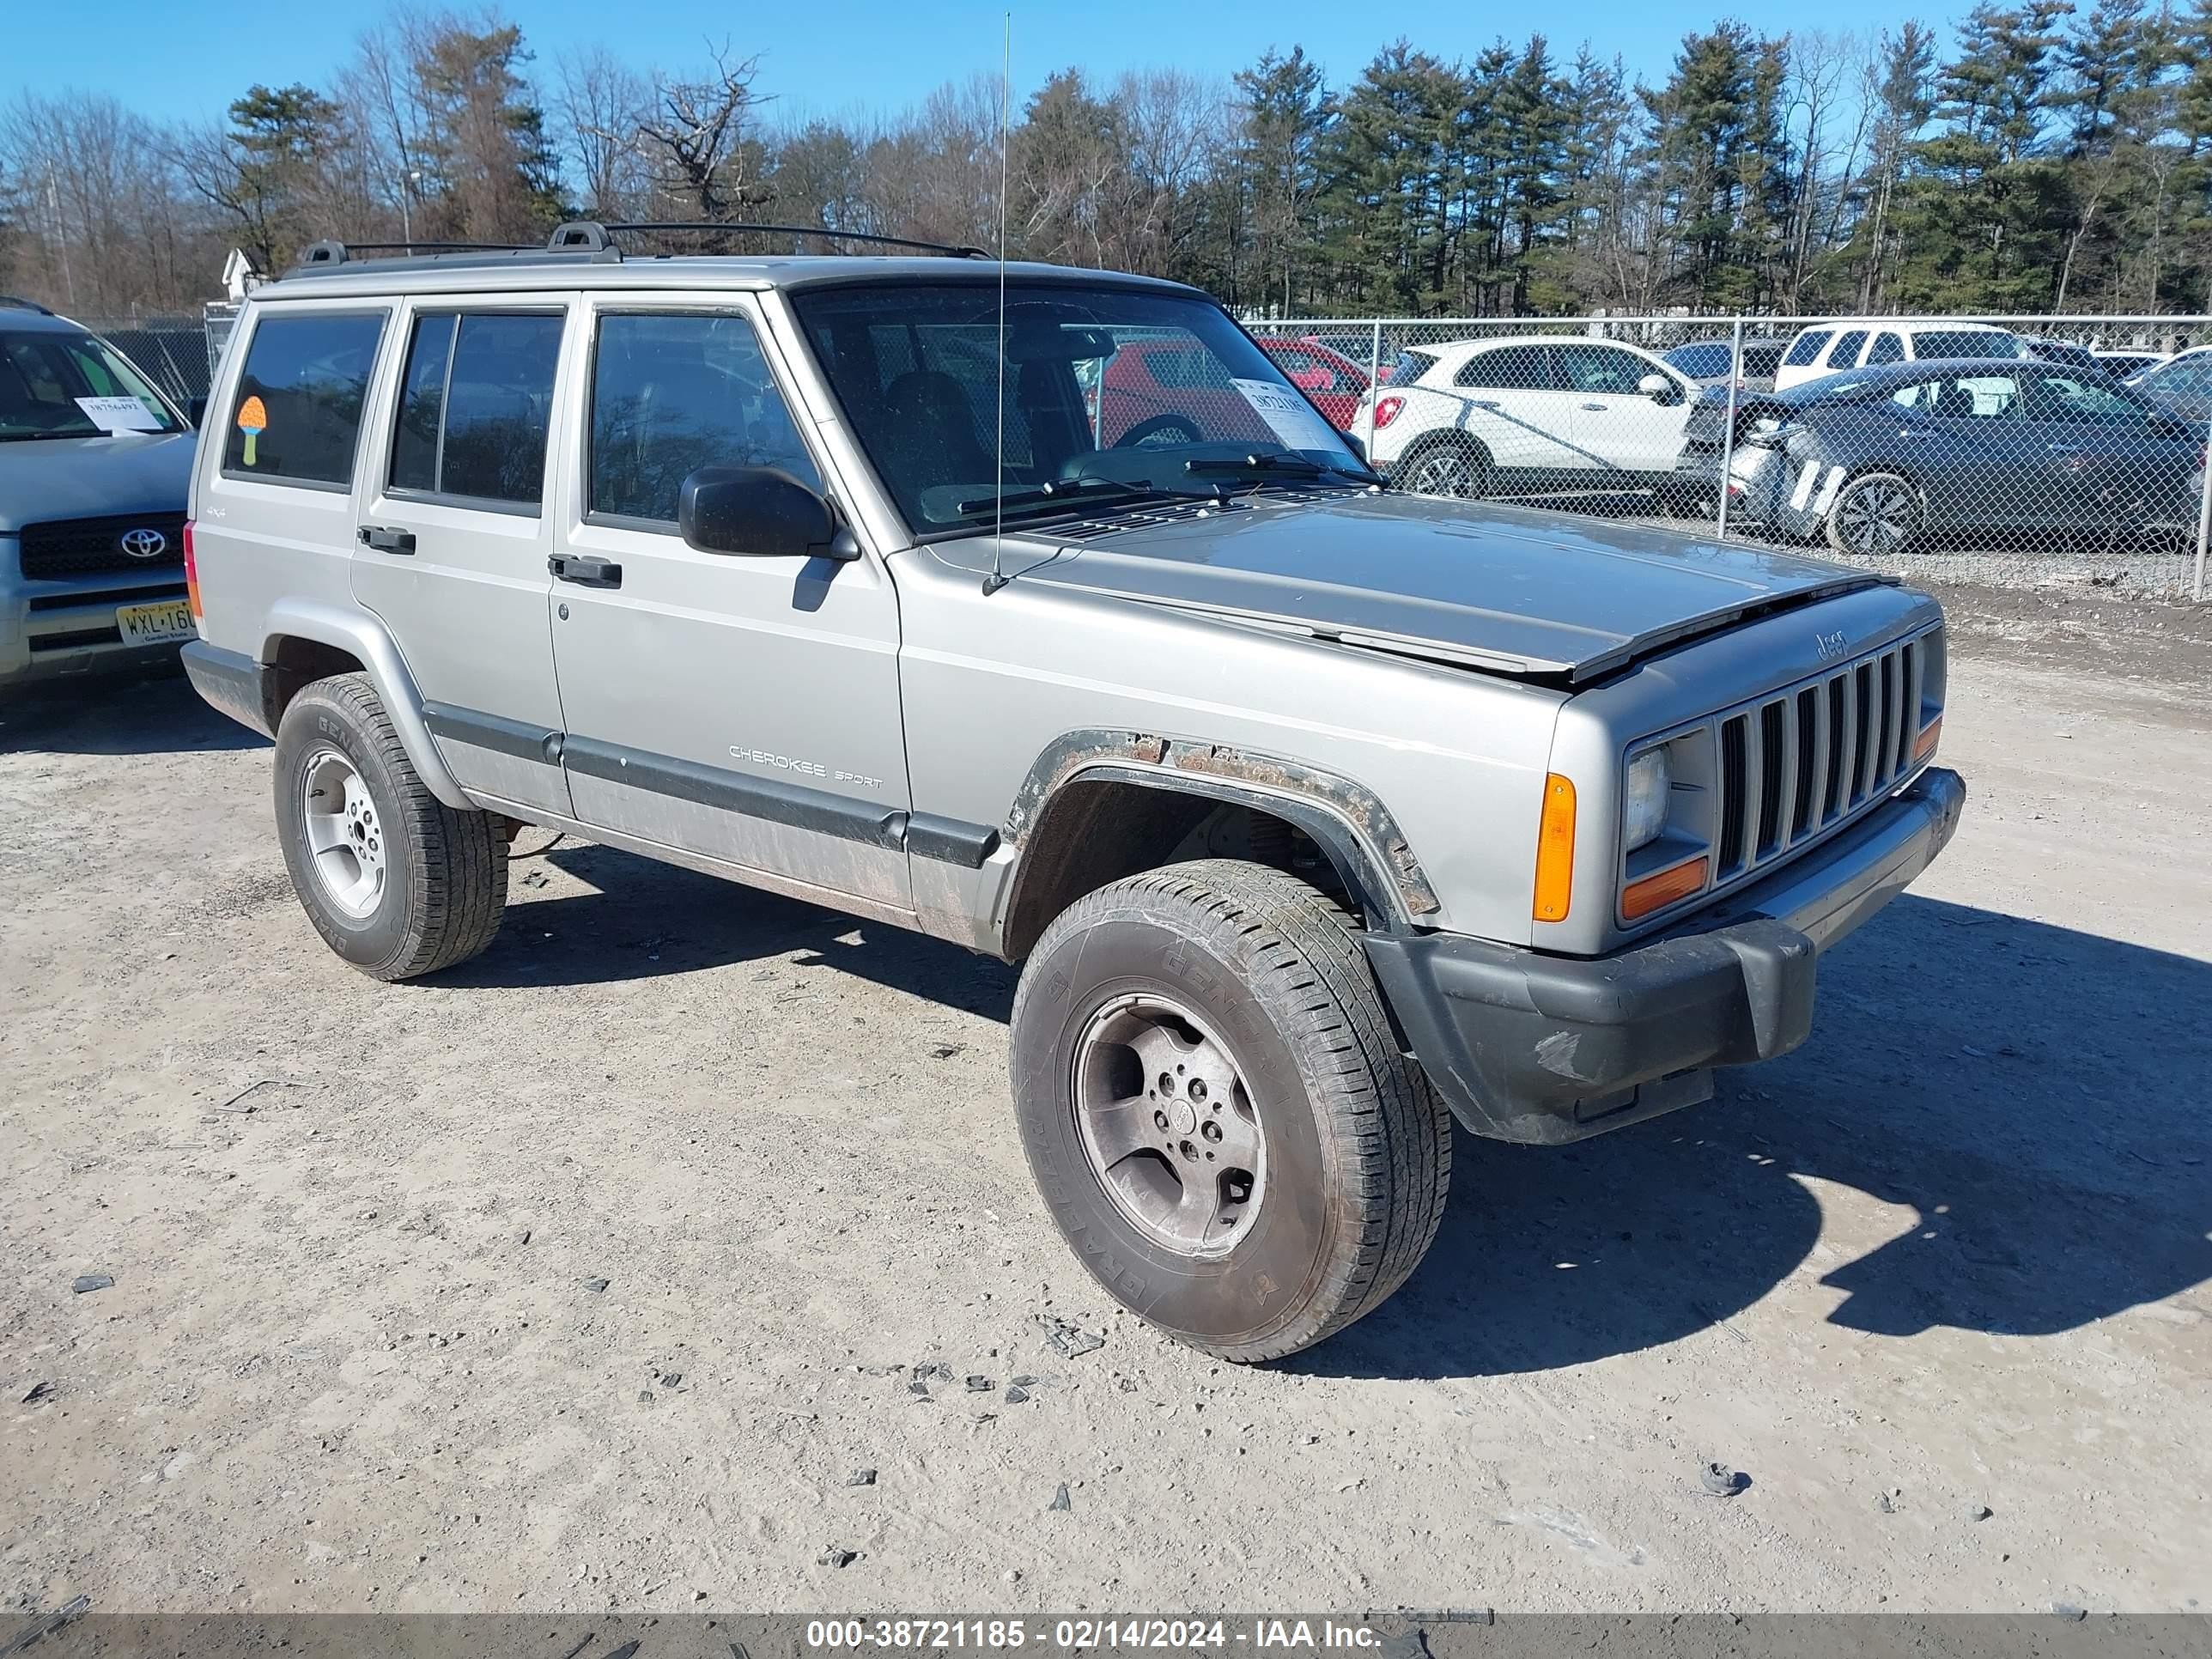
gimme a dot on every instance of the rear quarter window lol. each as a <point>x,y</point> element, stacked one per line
<point>296,417</point>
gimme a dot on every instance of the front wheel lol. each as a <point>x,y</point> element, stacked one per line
<point>1877,512</point>
<point>1217,1113</point>
<point>1454,470</point>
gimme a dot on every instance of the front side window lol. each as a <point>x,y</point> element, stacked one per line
<point>297,415</point>
<point>56,383</point>
<point>1707,361</point>
<point>1601,368</point>
<point>1809,348</point>
<point>476,406</point>
<point>1887,348</point>
<point>1848,346</point>
<point>672,392</point>
<point>1111,394</point>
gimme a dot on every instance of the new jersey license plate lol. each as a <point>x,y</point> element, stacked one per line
<point>155,624</point>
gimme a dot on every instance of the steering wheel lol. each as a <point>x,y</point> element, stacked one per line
<point>1173,427</point>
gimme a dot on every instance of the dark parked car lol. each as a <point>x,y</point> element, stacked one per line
<point>2067,353</point>
<point>1918,455</point>
<point>2181,386</point>
<point>1706,361</point>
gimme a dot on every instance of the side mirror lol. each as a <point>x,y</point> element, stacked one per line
<point>196,410</point>
<point>760,511</point>
<point>1657,388</point>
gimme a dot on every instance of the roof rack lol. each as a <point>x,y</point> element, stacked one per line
<point>582,240</point>
<point>24,305</point>
<point>593,235</point>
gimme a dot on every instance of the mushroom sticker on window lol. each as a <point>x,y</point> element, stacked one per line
<point>253,421</point>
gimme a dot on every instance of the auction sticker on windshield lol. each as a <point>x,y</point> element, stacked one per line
<point>113,415</point>
<point>1291,417</point>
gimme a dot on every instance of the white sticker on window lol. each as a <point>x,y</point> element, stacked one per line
<point>119,414</point>
<point>1291,417</point>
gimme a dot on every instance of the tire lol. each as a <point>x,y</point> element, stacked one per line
<point>1877,514</point>
<point>1174,428</point>
<point>401,884</point>
<point>1345,1149</point>
<point>1461,471</point>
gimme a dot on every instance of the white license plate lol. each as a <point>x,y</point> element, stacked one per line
<point>155,624</point>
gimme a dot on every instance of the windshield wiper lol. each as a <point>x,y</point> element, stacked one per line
<point>1063,490</point>
<point>1281,463</point>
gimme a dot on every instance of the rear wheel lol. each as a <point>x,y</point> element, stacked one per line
<point>1216,1112</point>
<point>1877,512</point>
<point>397,882</point>
<point>1461,470</point>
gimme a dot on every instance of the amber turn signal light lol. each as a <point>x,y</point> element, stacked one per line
<point>1924,745</point>
<point>1656,892</point>
<point>192,574</point>
<point>1555,850</point>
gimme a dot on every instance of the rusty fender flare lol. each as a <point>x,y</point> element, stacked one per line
<point>1345,818</point>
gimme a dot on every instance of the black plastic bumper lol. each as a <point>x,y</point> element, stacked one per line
<point>1533,1048</point>
<point>229,681</point>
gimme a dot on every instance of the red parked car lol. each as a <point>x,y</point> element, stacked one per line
<point>1334,381</point>
<point>1174,387</point>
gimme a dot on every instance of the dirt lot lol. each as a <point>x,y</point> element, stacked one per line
<point>1951,1256</point>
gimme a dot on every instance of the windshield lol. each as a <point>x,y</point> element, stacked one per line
<point>1111,394</point>
<point>60,384</point>
<point>1966,342</point>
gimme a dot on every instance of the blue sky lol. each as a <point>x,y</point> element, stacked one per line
<point>187,59</point>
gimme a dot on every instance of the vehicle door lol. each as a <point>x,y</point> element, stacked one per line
<point>1624,429</point>
<point>1966,440</point>
<point>1515,400</point>
<point>2116,462</point>
<point>454,533</point>
<point>741,707</point>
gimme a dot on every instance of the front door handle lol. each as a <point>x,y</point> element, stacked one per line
<point>1598,409</point>
<point>585,572</point>
<point>385,540</point>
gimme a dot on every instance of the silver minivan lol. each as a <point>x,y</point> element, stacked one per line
<point>1319,817</point>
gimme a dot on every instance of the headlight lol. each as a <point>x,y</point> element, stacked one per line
<point>1650,778</point>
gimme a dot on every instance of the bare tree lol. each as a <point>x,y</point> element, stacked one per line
<point>602,105</point>
<point>693,132</point>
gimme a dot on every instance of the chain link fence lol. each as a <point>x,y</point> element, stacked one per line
<point>2005,451</point>
<point>178,353</point>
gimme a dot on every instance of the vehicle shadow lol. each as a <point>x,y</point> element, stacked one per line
<point>157,712</point>
<point>2030,1098</point>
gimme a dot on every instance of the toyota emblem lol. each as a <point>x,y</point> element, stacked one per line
<point>145,543</point>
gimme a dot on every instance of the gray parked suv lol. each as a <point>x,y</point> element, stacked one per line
<point>94,466</point>
<point>1318,816</point>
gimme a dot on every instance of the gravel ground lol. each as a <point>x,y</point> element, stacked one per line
<point>587,1277</point>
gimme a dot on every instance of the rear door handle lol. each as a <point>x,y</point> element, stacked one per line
<point>1598,409</point>
<point>383,540</point>
<point>585,572</point>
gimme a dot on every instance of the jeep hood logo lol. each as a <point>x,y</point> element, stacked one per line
<point>144,543</point>
<point>1832,646</point>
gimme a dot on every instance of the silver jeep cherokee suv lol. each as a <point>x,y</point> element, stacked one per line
<point>1319,815</point>
<point>94,465</point>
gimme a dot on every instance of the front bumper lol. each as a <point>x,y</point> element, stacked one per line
<point>52,630</point>
<point>1533,1048</point>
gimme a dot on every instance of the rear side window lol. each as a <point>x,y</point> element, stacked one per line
<point>1708,361</point>
<point>1887,348</point>
<point>1808,347</point>
<point>476,404</point>
<point>1409,367</point>
<point>1520,368</point>
<point>297,415</point>
<point>1846,354</point>
<point>672,393</point>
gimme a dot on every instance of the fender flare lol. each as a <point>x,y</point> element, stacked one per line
<point>365,639</point>
<point>1347,820</point>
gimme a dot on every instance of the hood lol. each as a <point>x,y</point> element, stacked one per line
<point>43,479</point>
<point>1509,590</point>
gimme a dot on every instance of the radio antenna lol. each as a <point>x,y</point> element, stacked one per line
<point>999,450</point>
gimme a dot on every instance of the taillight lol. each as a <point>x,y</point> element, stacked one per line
<point>191,574</point>
<point>1386,410</point>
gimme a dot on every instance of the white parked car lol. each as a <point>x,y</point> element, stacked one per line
<point>1839,343</point>
<point>1525,413</point>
